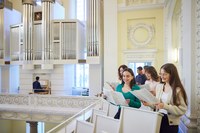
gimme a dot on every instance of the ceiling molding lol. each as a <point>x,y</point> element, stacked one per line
<point>130,6</point>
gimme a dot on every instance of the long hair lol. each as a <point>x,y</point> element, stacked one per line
<point>133,82</point>
<point>119,74</point>
<point>154,75</point>
<point>175,82</point>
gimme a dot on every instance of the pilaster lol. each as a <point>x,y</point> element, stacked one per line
<point>189,56</point>
<point>197,35</point>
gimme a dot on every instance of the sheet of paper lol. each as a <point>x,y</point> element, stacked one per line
<point>119,98</point>
<point>108,86</point>
<point>145,95</point>
<point>114,97</point>
<point>108,95</point>
<point>145,86</point>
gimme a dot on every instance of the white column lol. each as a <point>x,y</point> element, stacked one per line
<point>70,9</point>
<point>110,41</point>
<point>168,13</point>
<point>197,57</point>
<point>189,71</point>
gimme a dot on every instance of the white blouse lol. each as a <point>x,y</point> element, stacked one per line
<point>152,84</point>
<point>165,98</point>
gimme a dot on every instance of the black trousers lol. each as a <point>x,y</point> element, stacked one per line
<point>117,115</point>
<point>166,128</point>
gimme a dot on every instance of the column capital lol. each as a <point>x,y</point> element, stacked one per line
<point>52,1</point>
<point>28,2</point>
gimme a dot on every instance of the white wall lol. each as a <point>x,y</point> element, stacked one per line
<point>5,79</point>
<point>70,9</point>
<point>14,79</point>
<point>69,78</point>
<point>58,11</point>
<point>25,80</point>
<point>95,79</point>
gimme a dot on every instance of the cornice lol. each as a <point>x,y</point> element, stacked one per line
<point>123,7</point>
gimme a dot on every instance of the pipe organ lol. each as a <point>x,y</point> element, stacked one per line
<point>49,39</point>
<point>57,44</point>
<point>94,27</point>
<point>57,39</point>
<point>68,40</point>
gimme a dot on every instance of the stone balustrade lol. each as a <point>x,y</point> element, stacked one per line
<point>46,108</point>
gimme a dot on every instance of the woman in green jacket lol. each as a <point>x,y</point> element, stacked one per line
<point>128,84</point>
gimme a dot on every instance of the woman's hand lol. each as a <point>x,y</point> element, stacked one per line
<point>113,87</point>
<point>159,105</point>
<point>153,92</point>
<point>127,101</point>
<point>145,103</point>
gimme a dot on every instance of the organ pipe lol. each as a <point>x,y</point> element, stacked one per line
<point>28,29</point>
<point>46,29</point>
<point>93,27</point>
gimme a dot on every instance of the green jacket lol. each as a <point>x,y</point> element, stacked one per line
<point>134,101</point>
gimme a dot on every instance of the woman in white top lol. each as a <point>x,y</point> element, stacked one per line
<point>152,79</point>
<point>173,99</point>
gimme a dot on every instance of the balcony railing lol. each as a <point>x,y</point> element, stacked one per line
<point>45,108</point>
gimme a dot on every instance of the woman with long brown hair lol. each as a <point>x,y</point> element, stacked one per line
<point>173,99</point>
<point>120,71</point>
<point>128,84</point>
<point>152,79</point>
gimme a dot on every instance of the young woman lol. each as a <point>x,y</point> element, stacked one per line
<point>173,99</point>
<point>152,79</point>
<point>120,71</point>
<point>113,85</point>
<point>128,84</point>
